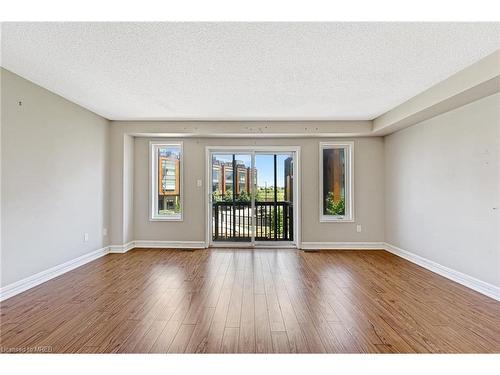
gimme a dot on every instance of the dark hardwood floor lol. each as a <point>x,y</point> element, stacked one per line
<point>247,301</point>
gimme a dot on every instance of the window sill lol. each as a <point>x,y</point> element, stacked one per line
<point>172,218</point>
<point>336,220</point>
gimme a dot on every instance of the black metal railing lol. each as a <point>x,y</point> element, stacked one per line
<point>233,221</point>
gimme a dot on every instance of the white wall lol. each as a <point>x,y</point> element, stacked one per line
<point>368,185</point>
<point>55,179</point>
<point>442,185</point>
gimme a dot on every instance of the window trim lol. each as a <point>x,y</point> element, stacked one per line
<point>349,178</point>
<point>153,181</point>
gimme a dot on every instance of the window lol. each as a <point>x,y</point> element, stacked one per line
<point>242,181</point>
<point>166,184</point>
<point>335,165</point>
<point>215,178</point>
<point>228,184</point>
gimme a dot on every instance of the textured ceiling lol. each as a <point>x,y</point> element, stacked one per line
<point>242,71</point>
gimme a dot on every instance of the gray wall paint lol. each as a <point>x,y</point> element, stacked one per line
<point>116,200</point>
<point>442,183</point>
<point>55,179</point>
<point>368,185</point>
<point>128,190</point>
<point>309,131</point>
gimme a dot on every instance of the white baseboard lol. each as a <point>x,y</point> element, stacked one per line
<point>459,277</point>
<point>157,245</point>
<point>170,244</point>
<point>41,277</point>
<point>343,246</point>
<point>120,249</point>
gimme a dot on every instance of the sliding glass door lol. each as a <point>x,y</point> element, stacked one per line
<point>251,197</point>
<point>231,197</point>
<point>273,197</point>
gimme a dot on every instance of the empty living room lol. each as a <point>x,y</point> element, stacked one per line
<point>261,187</point>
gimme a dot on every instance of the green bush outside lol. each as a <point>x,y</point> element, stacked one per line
<point>333,207</point>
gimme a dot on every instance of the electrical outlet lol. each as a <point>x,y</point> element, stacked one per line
<point>358,228</point>
<point>105,231</point>
<point>85,237</point>
<point>199,183</point>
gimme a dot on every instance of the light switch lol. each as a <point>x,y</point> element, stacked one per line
<point>199,183</point>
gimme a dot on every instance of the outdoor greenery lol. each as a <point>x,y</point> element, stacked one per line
<point>228,196</point>
<point>280,220</point>
<point>333,207</point>
<point>216,196</point>
<point>243,197</point>
<point>262,195</point>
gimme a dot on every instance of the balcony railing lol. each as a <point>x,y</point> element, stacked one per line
<point>233,221</point>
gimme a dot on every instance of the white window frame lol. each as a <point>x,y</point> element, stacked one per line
<point>348,146</point>
<point>153,181</point>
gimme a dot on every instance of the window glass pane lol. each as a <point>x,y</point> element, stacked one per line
<point>228,181</point>
<point>274,197</point>
<point>284,171</point>
<point>334,181</point>
<point>264,165</point>
<point>243,169</point>
<point>215,179</point>
<point>222,178</point>
<point>169,196</point>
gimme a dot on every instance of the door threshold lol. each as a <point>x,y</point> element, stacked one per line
<point>253,246</point>
<point>231,244</point>
<point>274,245</point>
